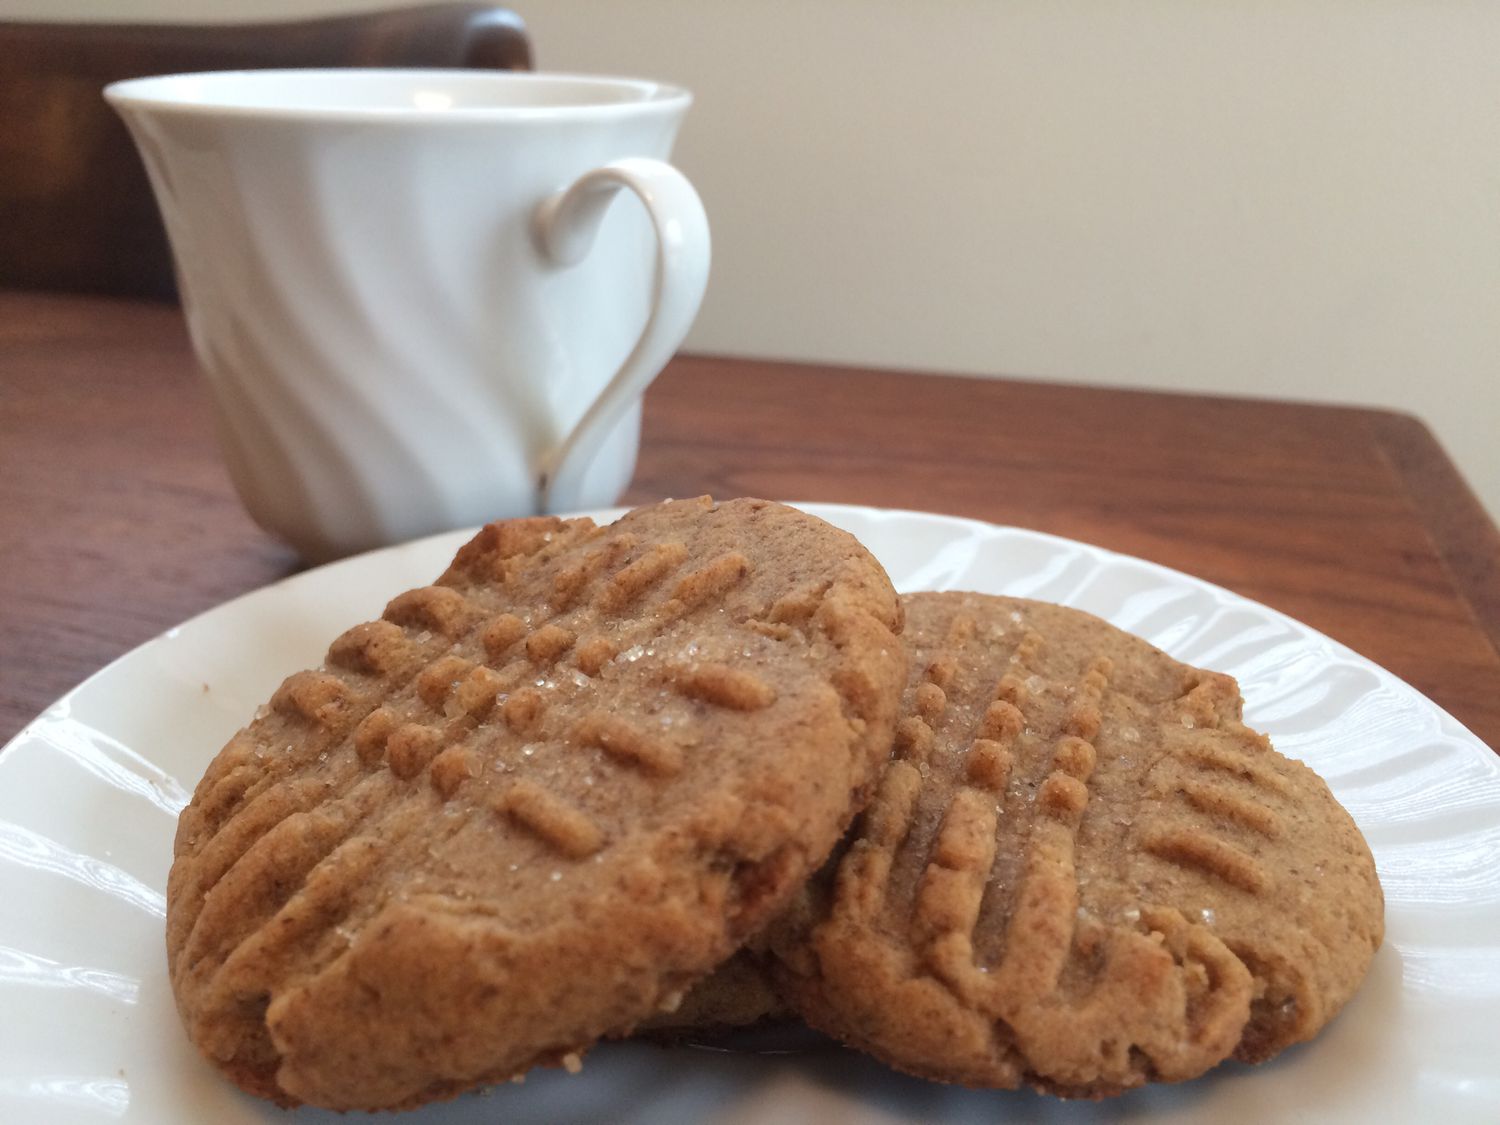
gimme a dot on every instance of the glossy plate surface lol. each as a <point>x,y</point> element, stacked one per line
<point>89,795</point>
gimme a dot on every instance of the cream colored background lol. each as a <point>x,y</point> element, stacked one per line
<point>1293,199</point>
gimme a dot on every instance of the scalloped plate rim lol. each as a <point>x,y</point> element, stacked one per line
<point>1204,1097</point>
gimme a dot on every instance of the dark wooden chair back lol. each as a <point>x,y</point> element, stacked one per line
<point>76,210</point>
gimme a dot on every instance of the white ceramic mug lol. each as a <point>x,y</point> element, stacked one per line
<point>407,289</point>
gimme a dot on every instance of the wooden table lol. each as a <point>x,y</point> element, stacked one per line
<point>117,519</point>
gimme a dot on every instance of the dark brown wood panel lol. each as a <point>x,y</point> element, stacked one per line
<point>76,210</point>
<point>117,519</point>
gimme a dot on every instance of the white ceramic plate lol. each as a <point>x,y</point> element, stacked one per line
<point>89,795</point>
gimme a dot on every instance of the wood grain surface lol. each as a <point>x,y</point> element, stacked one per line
<point>117,519</point>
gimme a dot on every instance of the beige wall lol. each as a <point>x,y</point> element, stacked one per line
<point>1297,199</point>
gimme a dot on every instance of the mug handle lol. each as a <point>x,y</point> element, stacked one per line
<point>566,224</point>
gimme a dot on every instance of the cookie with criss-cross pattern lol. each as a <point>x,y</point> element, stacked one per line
<point>531,804</point>
<point>1080,871</point>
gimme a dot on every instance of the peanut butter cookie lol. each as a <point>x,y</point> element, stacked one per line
<point>531,804</point>
<point>1081,870</point>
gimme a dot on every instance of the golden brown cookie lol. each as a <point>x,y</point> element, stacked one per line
<point>531,804</point>
<point>1080,871</point>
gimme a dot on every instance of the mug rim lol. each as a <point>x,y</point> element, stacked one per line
<point>164,93</point>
